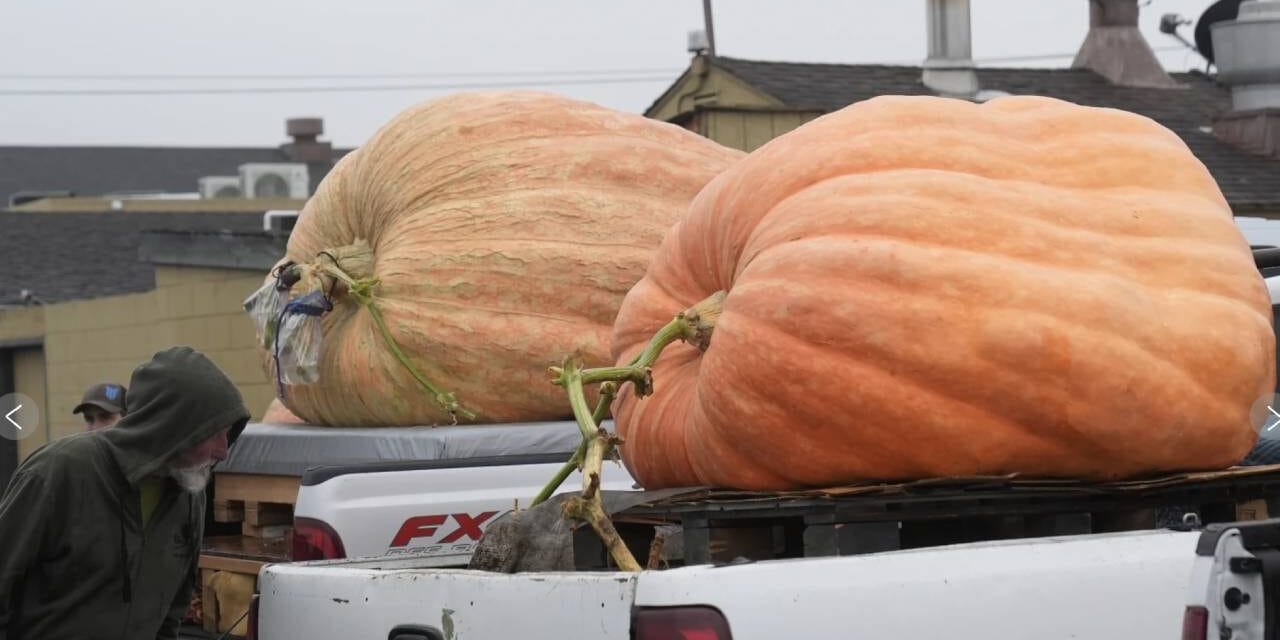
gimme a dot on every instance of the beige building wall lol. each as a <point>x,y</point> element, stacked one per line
<point>749,130</point>
<point>29,379</point>
<point>104,339</point>
<point>21,323</point>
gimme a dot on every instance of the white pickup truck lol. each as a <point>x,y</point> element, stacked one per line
<point>1150,584</point>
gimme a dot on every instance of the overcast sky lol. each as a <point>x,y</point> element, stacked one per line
<point>637,45</point>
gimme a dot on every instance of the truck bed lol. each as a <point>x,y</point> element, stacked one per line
<point>1101,586</point>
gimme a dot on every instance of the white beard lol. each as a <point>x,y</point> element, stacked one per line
<point>192,479</point>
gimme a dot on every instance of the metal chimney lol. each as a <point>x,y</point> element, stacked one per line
<point>1247,54</point>
<point>948,69</point>
<point>1115,49</point>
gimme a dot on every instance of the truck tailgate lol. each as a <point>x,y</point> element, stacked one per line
<point>1124,586</point>
<point>309,601</point>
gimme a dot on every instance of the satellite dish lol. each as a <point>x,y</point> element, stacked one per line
<point>1219,11</point>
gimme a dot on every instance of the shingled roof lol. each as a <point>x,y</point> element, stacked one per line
<point>91,171</point>
<point>72,256</point>
<point>1250,182</point>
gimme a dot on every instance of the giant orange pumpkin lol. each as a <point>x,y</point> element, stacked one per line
<point>504,230</point>
<point>924,287</point>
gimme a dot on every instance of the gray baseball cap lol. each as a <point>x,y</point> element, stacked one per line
<point>106,396</point>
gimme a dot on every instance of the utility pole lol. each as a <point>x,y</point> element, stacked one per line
<point>711,34</point>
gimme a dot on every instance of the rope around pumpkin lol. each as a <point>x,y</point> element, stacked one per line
<point>695,326</point>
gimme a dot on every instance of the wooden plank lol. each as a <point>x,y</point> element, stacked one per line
<point>208,603</point>
<point>238,546</point>
<point>749,541</point>
<point>228,511</point>
<point>265,513</point>
<point>252,487</point>
<point>210,563</point>
<point>264,531</point>
<point>1252,510</point>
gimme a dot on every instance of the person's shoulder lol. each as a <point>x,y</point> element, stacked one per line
<point>68,454</point>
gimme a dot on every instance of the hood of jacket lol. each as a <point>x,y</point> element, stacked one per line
<point>177,400</point>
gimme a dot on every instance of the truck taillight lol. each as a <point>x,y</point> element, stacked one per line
<point>680,623</point>
<point>1195,623</point>
<point>315,540</point>
<point>251,626</point>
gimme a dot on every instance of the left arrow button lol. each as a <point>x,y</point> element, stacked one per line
<point>21,416</point>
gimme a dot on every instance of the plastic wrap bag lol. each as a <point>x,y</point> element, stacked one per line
<point>264,307</point>
<point>298,345</point>
<point>267,303</point>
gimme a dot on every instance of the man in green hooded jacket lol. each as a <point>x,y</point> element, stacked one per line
<point>100,531</point>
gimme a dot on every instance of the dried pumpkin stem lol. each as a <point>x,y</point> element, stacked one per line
<point>695,325</point>
<point>592,513</point>
<point>589,507</point>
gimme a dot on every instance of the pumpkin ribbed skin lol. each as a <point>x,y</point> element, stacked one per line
<point>922,287</point>
<point>505,230</point>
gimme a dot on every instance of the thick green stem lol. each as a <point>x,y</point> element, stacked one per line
<point>598,443</point>
<point>694,326</point>
<point>613,374</point>
<point>563,474</point>
<point>607,391</point>
<point>677,329</point>
<point>578,401</point>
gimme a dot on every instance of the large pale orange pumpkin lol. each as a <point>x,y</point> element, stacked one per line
<point>277,413</point>
<point>924,287</point>
<point>504,230</point>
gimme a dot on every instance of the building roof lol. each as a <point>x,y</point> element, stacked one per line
<point>90,171</point>
<point>1249,181</point>
<point>72,256</point>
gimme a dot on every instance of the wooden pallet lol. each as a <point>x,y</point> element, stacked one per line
<point>262,504</point>
<point>257,519</point>
<point>720,526</point>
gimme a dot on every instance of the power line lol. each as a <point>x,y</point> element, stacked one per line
<point>1039,56</point>
<point>1056,56</point>
<point>542,82</point>
<point>330,89</point>
<point>331,76</point>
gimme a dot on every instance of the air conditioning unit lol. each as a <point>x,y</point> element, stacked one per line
<point>279,220</point>
<point>220,187</point>
<point>274,180</point>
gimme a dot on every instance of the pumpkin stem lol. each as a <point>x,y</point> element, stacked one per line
<point>599,442</point>
<point>444,398</point>
<point>607,391</point>
<point>695,326</point>
<point>360,285</point>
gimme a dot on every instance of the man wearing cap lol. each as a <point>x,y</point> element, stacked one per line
<point>100,531</point>
<point>102,406</point>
